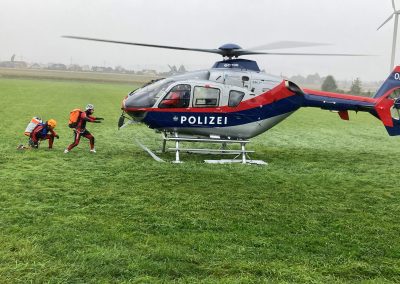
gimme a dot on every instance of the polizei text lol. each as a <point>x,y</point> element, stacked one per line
<point>204,120</point>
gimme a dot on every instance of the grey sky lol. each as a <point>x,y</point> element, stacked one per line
<point>31,29</point>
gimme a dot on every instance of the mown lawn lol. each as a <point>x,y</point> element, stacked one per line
<point>325,210</point>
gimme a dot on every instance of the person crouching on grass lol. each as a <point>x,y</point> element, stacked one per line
<point>80,128</point>
<point>42,131</point>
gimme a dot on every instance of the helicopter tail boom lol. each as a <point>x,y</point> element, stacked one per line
<point>385,105</point>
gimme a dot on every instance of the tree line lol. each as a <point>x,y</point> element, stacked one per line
<point>329,85</point>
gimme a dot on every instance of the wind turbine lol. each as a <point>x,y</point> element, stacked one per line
<point>396,21</point>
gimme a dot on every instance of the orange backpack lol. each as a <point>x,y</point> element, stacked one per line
<point>74,117</point>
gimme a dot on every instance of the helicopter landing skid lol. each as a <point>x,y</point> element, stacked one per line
<point>154,156</point>
<point>231,161</point>
<point>241,154</point>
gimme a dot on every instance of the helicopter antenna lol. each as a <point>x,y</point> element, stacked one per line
<point>394,41</point>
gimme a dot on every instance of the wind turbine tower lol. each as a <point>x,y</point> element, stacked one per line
<point>396,21</point>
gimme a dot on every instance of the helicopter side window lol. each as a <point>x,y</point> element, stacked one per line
<point>178,97</point>
<point>205,97</point>
<point>235,97</point>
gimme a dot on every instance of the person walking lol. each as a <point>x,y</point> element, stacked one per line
<point>80,128</point>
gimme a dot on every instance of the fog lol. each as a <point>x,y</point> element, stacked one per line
<point>32,30</point>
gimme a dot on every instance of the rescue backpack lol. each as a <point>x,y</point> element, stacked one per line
<point>74,117</point>
<point>32,124</point>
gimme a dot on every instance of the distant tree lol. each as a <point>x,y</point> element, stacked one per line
<point>313,79</point>
<point>329,84</point>
<point>356,88</point>
<point>181,69</point>
<point>298,79</point>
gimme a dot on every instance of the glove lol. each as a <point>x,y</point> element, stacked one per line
<point>57,136</point>
<point>99,118</point>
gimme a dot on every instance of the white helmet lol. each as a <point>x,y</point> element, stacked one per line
<point>90,106</point>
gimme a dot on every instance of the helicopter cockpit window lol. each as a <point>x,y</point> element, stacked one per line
<point>235,97</point>
<point>205,97</point>
<point>149,94</point>
<point>178,96</point>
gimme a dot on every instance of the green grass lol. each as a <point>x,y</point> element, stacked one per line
<point>325,210</point>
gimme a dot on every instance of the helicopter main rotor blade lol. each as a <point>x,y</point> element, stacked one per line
<point>229,51</point>
<point>217,51</point>
<point>249,52</point>
<point>286,44</point>
<point>387,20</point>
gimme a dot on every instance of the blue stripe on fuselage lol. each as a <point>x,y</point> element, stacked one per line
<point>331,103</point>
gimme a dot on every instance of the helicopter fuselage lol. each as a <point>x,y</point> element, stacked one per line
<point>225,102</point>
<point>236,103</point>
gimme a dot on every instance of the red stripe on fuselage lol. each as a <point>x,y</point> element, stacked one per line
<point>278,93</point>
<point>339,96</point>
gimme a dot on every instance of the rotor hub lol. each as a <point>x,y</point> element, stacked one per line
<point>229,46</point>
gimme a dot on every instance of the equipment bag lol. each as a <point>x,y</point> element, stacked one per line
<point>32,124</point>
<point>74,117</point>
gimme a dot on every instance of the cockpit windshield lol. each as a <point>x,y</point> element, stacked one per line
<point>148,95</point>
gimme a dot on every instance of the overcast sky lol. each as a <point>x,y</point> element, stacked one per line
<point>31,29</point>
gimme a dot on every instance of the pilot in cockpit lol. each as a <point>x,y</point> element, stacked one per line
<point>178,97</point>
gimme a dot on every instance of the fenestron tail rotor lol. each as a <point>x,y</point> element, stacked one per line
<point>231,50</point>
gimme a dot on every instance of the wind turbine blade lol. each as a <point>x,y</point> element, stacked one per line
<point>286,44</point>
<point>387,20</point>
<point>394,6</point>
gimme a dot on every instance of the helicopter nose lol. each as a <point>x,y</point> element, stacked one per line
<point>129,106</point>
<point>129,102</point>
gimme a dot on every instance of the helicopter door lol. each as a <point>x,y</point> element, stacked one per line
<point>177,97</point>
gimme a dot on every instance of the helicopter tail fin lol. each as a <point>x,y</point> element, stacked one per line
<point>392,83</point>
<point>387,105</point>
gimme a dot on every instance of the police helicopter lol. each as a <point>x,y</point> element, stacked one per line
<point>234,101</point>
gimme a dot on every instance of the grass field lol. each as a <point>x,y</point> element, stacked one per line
<point>76,76</point>
<point>325,210</point>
